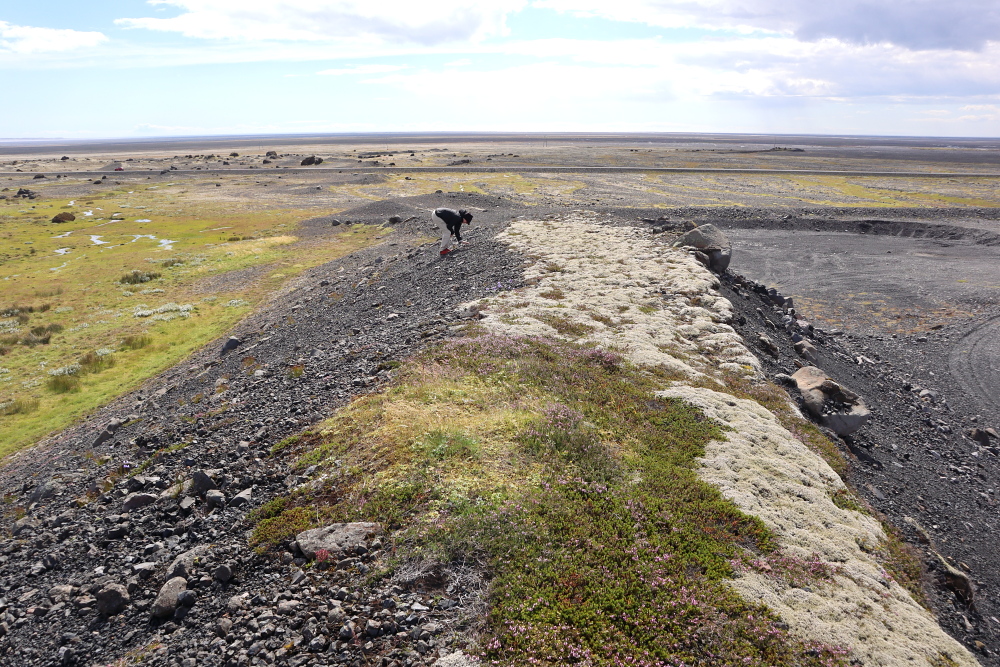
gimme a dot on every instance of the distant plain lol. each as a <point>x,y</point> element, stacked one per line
<point>223,238</point>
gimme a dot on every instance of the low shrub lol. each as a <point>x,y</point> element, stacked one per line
<point>16,310</point>
<point>33,339</point>
<point>42,331</point>
<point>136,277</point>
<point>63,384</point>
<point>604,546</point>
<point>565,325</point>
<point>95,362</point>
<point>283,526</point>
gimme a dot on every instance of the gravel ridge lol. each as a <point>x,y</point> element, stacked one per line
<point>80,583</point>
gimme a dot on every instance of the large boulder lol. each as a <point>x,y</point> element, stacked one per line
<point>834,405</point>
<point>336,539</point>
<point>203,481</point>
<point>137,500</point>
<point>311,160</point>
<point>45,490</point>
<point>710,240</point>
<point>112,599</point>
<point>184,563</point>
<point>167,600</point>
<point>65,216</point>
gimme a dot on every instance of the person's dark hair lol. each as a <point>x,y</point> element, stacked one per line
<point>465,215</point>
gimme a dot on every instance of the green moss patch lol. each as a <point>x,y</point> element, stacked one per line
<point>555,467</point>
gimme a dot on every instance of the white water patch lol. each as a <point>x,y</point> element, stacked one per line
<point>627,291</point>
<point>88,213</point>
<point>72,203</point>
<point>770,474</point>
<point>167,244</point>
<point>64,264</point>
<point>62,251</point>
<point>96,240</point>
<point>144,220</point>
<point>136,237</point>
<point>63,235</point>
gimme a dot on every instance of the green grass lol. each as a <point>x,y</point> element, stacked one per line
<point>443,444</point>
<point>555,466</point>
<point>151,305</point>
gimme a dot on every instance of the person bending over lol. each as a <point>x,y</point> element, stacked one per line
<point>450,222</point>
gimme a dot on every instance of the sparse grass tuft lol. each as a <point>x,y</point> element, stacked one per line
<point>136,342</point>
<point>19,406</point>
<point>564,325</point>
<point>603,319</point>
<point>443,444</point>
<point>63,384</point>
<point>136,277</point>
<point>95,362</point>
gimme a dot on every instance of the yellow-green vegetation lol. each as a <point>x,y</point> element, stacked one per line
<point>139,284</point>
<point>523,186</point>
<point>556,466</point>
<point>761,190</point>
<point>866,191</point>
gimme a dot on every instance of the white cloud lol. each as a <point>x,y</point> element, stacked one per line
<point>916,24</point>
<point>389,21</point>
<point>362,69</point>
<point>784,66</point>
<point>526,88</point>
<point>27,40</point>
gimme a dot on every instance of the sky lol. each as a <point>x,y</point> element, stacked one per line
<point>141,68</point>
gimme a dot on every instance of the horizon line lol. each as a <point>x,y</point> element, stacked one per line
<point>13,141</point>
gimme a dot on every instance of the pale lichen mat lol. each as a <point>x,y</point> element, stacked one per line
<point>615,287</point>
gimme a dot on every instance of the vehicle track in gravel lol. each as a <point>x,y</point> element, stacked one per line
<point>975,363</point>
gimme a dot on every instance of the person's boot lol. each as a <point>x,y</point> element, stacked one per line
<point>445,252</point>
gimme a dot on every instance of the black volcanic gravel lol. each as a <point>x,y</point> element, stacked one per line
<point>321,342</point>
